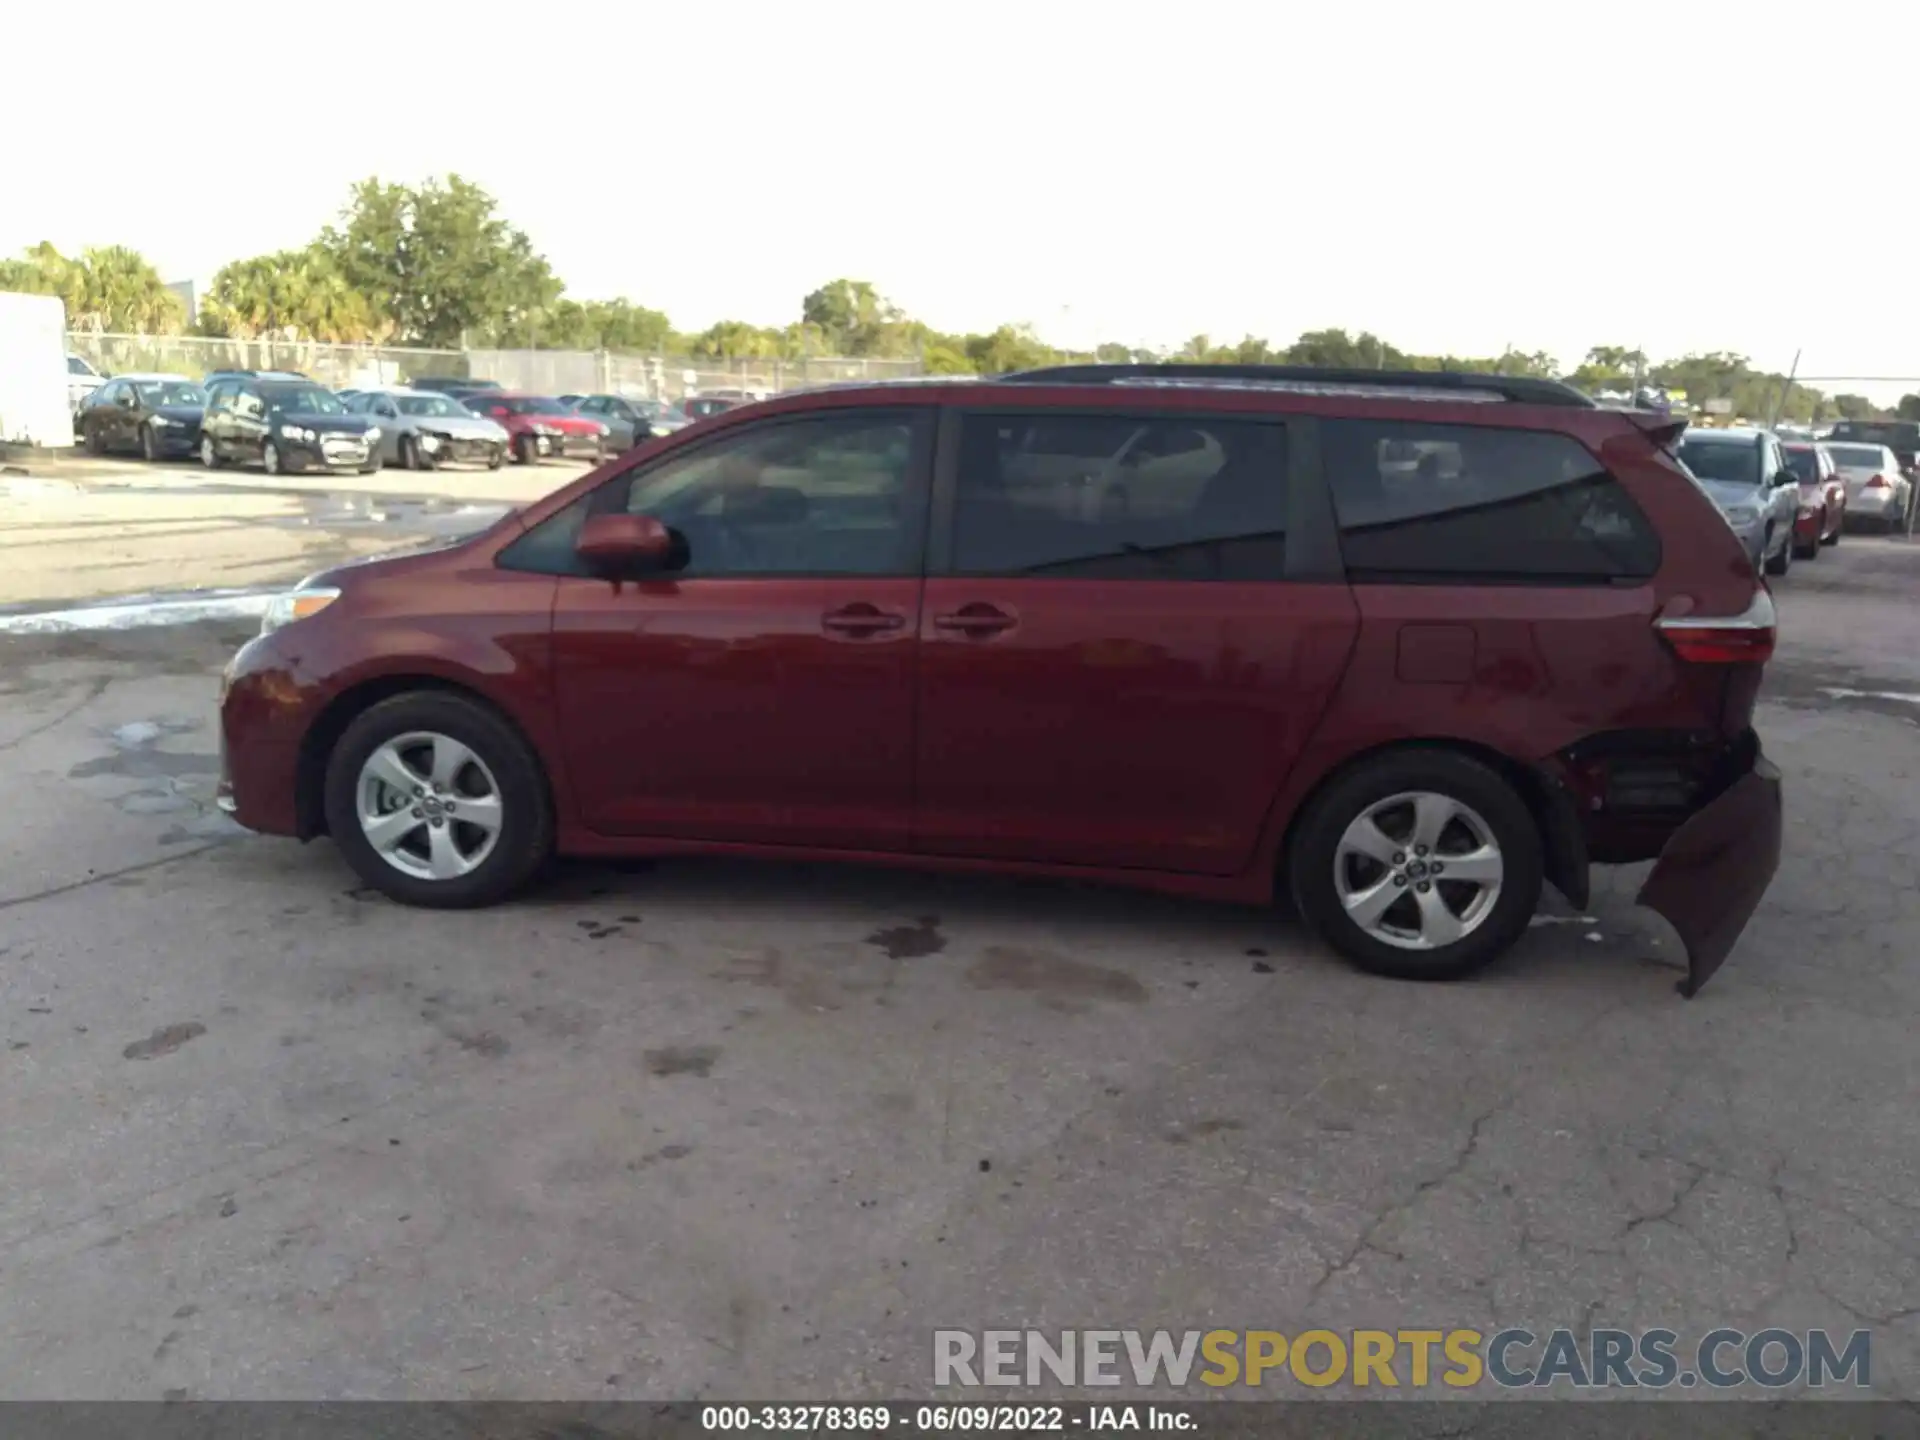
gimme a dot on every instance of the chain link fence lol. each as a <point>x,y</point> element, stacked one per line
<point>543,372</point>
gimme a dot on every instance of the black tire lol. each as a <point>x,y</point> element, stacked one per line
<point>1781,563</point>
<point>1811,551</point>
<point>149,448</point>
<point>91,441</point>
<point>1838,530</point>
<point>209,455</point>
<point>526,832</point>
<point>412,457</point>
<point>1312,856</point>
<point>497,458</point>
<point>524,452</point>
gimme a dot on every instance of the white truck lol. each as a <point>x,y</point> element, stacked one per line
<point>35,406</point>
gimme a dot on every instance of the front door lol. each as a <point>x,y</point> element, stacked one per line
<point>1115,669</point>
<point>763,693</point>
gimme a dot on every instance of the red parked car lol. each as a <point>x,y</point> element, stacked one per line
<point>1823,499</point>
<point>1402,646</point>
<point>539,425</point>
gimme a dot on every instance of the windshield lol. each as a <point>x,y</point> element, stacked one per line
<point>1803,462</point>
<point>430,405</point>
<point>170,392</point>
<point>1734,462</point>
<point>303,400</point>
<point>524,404</point>
<point>1856,457</point>
<point>1896,436</point>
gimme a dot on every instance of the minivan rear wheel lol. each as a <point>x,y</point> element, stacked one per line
<point>437,801</point>
<point>1420,865</point>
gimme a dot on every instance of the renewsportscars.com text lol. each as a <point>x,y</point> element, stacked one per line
<point>1411,1359</point>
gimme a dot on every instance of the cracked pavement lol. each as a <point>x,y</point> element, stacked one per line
<point>732,1131</point>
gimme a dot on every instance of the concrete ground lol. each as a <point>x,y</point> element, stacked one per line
<point>721,1130</point>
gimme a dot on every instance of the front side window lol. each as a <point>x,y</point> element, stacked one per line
<point>1804,463</point>
<point>247,403</point>
<point>826,496</point>
<point>1121,496</point>
<point>1463,504</point>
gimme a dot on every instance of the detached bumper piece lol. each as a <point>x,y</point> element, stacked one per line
<point>1712,873</point>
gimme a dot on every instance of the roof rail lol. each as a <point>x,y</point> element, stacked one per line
<point>1521,389</point>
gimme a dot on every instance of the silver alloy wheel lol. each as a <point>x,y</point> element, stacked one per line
<point>1418,870</point>
<point>207,457</point>
<point>270,458</point>
<point>429,806</point>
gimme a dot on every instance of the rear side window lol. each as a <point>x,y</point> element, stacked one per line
<point>1121,497</point>
<point>1421,503</point>
<point>1804,463</point>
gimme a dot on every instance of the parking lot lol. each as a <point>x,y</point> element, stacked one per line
<point>703,1129</point>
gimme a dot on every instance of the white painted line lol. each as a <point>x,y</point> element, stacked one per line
<point>1563,920</point>
<point>1839,694</point>
<point>132,612</point>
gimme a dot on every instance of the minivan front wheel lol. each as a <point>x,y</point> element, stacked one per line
<point>1420,865</point>
<point>437,801</point>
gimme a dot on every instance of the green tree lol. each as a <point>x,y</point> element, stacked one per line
<point>1908,408</point>
<point>852,315</point>
<point>1855,407</point>
<point>442,262</point>
<point>292,294</point>
<point>1009,348</point>
<point>737,340</point>
<point>1609,367</point>
<point>106,288</point>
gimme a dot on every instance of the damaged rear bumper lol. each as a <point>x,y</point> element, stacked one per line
<point>1713,871</point>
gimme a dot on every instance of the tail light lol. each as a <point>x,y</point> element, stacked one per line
<point>1879,482</point>
<point>1743,639</point>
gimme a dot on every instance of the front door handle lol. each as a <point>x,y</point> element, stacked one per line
<point>978,619</point>
<point>860,619</point>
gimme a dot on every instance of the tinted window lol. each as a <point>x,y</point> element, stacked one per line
<point>1453,502</point>
<point>1118,496</point>
<point>828,496</point>
<point>1803,462</point>
<point>171,392</point>
<point>1733,462</point>
<point>1857,457</point>
<point>1893,434</point>
<point>303,400</point>
<point>77,366</point>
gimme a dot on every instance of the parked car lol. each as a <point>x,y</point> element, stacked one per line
<point>452,385</point>
<point>1404,701</point>
<point>1823,499</point>
<point>629,421</point>
<point>155,416</point>
<point>1745,471</point>
<point>1900,436</point>
<point>284,425</point>
<point>539,425</point>
<point>1877,488</point>
<point>718,402</point>
<point>82,380</point>
<point>420,429</point>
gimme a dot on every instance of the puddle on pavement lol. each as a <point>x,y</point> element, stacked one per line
<point>178,785</point>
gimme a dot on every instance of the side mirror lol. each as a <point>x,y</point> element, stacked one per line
<point>617,545</point>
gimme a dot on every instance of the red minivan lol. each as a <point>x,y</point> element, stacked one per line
<point>1405,646</point>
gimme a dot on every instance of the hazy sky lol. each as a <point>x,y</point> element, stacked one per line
<point>1453,176</point>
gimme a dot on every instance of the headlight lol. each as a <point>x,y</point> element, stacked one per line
<point>373,434</point>
<point>1743,514</point>
<point>297,604</point>
<point>297,433</point>
<point>604,431</point>
<point>429,442</point>
<point>497,434</point>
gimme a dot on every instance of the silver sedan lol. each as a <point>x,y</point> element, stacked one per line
<point>420,429</point>
<point>1877,489</point>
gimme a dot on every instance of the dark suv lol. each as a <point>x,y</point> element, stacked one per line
<point>1403,646</point>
